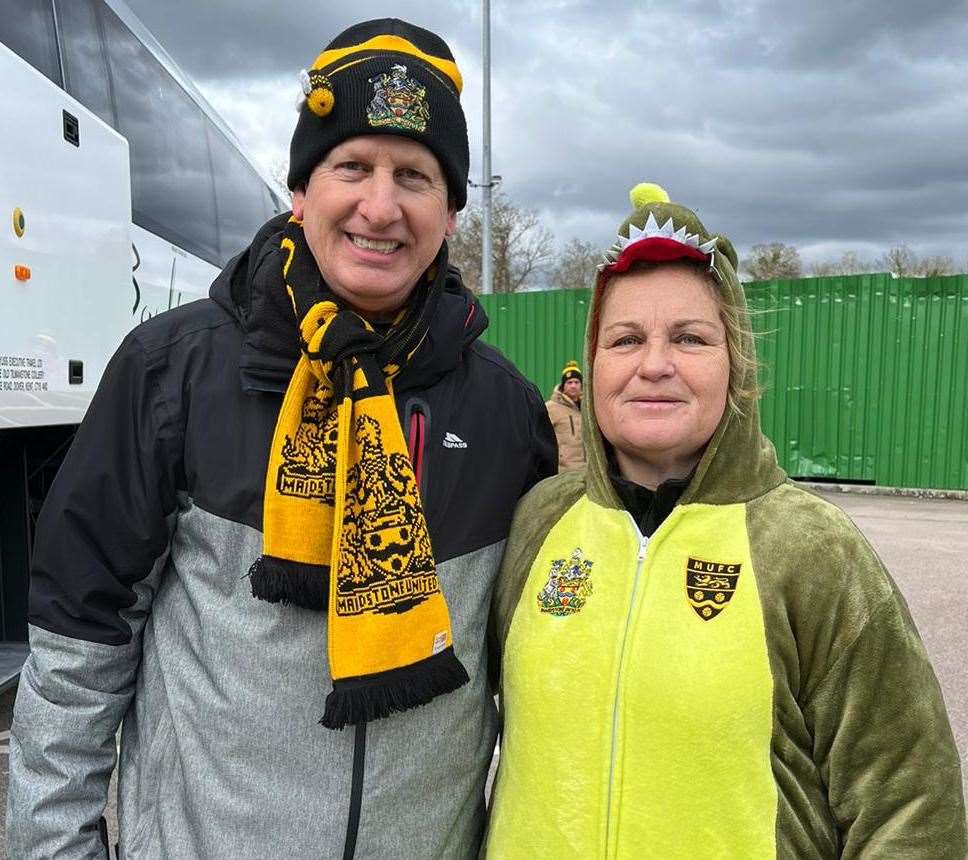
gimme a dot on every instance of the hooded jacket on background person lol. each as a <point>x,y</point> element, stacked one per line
<point>743,679</point>
<point>566,419</point>
<point>142,604</point>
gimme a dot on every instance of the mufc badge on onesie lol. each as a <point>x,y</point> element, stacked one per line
<point>710,585</point>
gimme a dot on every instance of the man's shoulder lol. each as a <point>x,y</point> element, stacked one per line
<point>492,365</point>
<point>164,331</point>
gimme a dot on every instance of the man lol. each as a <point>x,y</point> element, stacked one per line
<point>564,410</point>
<point>243,542</point>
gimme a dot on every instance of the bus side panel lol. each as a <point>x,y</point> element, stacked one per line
<point>165,276</point>
<point>75,202</point>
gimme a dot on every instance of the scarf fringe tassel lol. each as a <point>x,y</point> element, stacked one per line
<point>278,580</point>
<point>372,697</point>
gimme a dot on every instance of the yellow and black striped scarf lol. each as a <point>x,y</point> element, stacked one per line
<point>343,527</point>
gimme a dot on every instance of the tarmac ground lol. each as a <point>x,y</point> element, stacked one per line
<point>923,543</point>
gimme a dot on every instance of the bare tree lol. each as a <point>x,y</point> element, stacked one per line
<point>279,171</point>
<point>899,261</point>
<point>576,266</point>
<point>933,267</point>
<point>772,261</point>
<point>848,264</point>
<point>521,245</point>
<point>465,246</point>
<point>825,269</point>
<point>902,262</point>
<point>851,264</point>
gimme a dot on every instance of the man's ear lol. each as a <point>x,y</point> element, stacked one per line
<point>451,227</point>
<point>298,203</point>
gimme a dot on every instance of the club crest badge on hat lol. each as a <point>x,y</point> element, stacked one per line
<point>398,101</point>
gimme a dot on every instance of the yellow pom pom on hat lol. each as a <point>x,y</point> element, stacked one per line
<point>319,93</point>
<point>647,192</point>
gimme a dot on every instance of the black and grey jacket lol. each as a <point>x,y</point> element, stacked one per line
<point>140,609</point>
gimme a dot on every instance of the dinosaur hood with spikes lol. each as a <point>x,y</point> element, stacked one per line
<point>661,231</point>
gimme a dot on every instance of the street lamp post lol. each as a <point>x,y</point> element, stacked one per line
<point>487,180</point>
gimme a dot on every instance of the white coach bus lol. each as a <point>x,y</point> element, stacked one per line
<point>122,193</point>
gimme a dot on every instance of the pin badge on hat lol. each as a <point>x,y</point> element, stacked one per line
<point>318,91</point>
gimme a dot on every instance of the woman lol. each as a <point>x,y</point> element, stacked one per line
<point>699,658</point>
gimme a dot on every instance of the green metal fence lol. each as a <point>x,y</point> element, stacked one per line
<point>866,376</point>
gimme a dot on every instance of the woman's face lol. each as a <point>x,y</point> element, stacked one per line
<point>661,371</point>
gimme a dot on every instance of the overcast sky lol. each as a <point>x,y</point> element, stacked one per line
<point>832,126</point>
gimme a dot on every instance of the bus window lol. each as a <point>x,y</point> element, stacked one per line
<point>238,196</point>
<point>172,194</point>
<point>27,28</point>
<point>85,65</point>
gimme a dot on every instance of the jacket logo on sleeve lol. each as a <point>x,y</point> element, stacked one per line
<point>710,585</point>
<point>568,587</point>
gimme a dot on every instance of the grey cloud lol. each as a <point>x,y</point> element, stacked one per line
<point>803,34</point>
<point>250,38</point>
<point>824,126</point>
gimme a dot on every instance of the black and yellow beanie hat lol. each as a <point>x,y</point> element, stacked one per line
<point>383,77</point>
<point>571,371</point>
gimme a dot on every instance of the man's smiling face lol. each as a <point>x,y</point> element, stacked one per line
<point>375,213</point>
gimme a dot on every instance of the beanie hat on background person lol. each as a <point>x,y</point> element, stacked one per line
<point>383,77</point>
<point>571,371</point>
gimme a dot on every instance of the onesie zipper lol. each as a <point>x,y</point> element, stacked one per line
<point>639,564</point>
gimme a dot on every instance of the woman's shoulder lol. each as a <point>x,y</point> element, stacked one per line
<point>550,498</point>
<point>820,581</point>
<point>812,556</point>
<point>535,516</point>
<point>792,525</point>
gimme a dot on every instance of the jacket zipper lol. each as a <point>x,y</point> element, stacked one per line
<point>416,441</point>
<point>356,791</point>
<point>639,564</point>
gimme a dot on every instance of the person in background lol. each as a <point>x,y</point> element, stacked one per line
<point>700,659</point>
<point>565,412</point>
<point>287,506</point>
